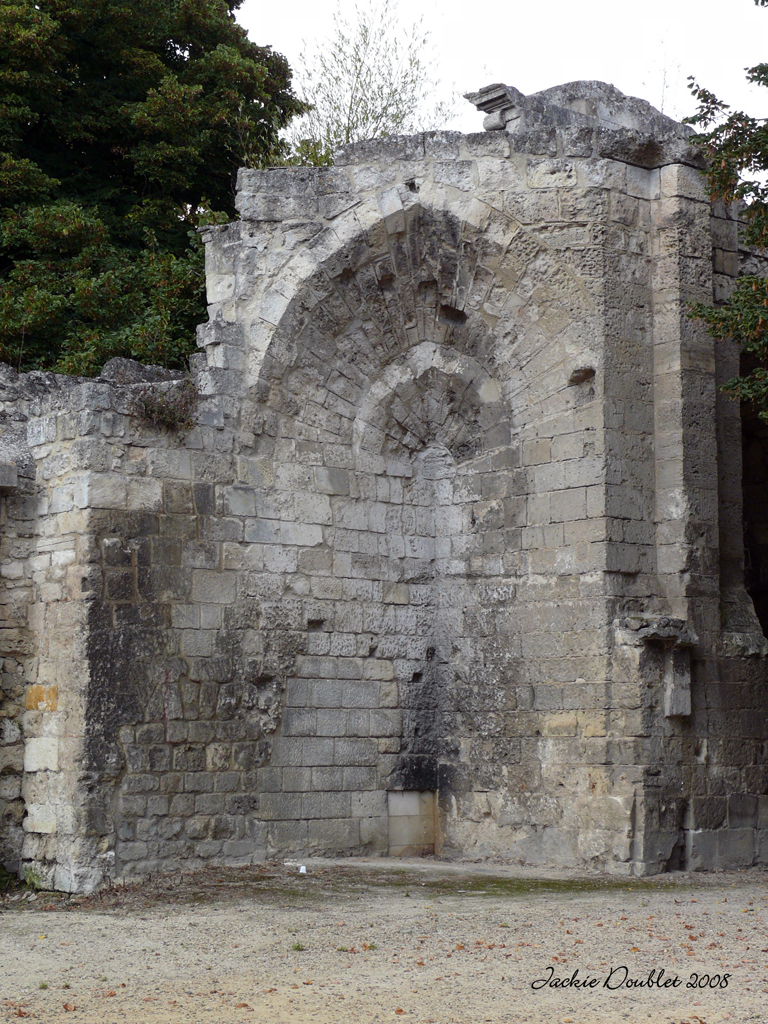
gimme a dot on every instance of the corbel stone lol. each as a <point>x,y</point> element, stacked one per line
<point>500,103</point>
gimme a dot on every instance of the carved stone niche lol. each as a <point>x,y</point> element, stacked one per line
<point>675,638</point>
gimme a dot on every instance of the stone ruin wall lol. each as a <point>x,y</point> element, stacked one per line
<point>17,548</point>
<point>461,515</point>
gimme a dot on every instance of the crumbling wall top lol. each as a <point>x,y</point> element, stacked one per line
<point>587,105</point>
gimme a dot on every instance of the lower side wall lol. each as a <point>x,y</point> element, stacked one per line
<point>706,793</point>
<point>12,692</point>
<point>229,773</point>
<point>17,511</point>
<point>725,771</point>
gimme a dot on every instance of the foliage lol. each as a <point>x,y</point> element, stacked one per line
<point>171,406</point>
<point>32,878</point>
<point>367,81</point>
<point>121,125</point>
<point>736,147</point>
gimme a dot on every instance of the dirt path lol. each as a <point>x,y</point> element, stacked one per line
<point>376,941</point>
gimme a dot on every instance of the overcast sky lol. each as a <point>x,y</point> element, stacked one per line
<point>646,48</point>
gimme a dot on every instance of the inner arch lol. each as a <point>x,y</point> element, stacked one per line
<point>431,396</point>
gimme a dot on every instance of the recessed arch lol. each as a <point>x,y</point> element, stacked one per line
<point>407,354</point>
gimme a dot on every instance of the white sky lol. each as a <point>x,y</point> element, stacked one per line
<point>646,48</point>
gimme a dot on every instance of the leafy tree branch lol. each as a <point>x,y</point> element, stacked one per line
<point>122,124</point>
<point>371,78</point>
<point>736,147</point>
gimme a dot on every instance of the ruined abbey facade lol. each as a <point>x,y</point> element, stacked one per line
<point>452,558</point>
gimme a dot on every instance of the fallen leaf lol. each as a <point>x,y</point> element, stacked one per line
<point>70,1007</point>
<point>399,1010</point>
<point>634,949</point>
<point>243,1006</point>
<point>459,945</point>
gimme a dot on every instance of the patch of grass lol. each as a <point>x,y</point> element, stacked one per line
<point>503,924</point>
<point>32,878</point>
<point>298,947</point>
<point>521,888</point>
<point>342,949</point>
<point>43,985</point>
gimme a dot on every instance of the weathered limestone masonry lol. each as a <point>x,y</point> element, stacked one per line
<point>453,557</point>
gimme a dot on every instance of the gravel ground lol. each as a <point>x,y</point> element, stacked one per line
<point>374,941</point>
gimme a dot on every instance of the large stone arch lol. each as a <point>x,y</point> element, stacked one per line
<point>374,285</point>
<point>403,370</point>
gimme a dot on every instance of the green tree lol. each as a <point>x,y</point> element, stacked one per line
<point>370,79</point>
<point>122,123</point>
<point>736,147</point>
